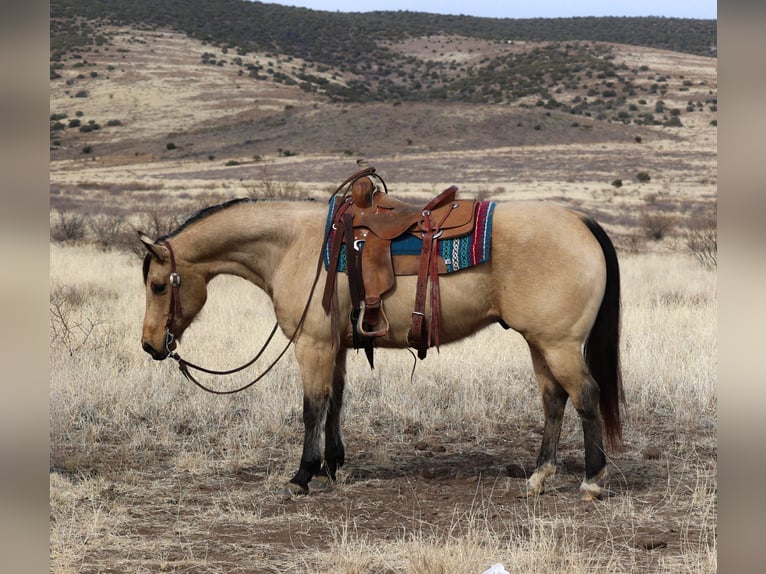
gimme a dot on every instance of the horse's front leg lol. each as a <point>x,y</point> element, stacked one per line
<point>334,451</point>
<point>316,363</point>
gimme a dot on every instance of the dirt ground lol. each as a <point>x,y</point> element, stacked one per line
<point>231,515</point>
<point>238,520</point>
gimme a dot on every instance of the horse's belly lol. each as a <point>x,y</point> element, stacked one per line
<point>465,307</point>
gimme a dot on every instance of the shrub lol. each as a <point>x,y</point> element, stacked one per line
<point>656,225</point>
<point>67,227</point>
<point>154,223</point>
<point>643,177</point>
<point>617,183</point>
<point>702,243</point>
<point>82,94</point>
<point>673,122</point>
<point>106,229</point>
<point>170,146</point>
<point>67,326</point>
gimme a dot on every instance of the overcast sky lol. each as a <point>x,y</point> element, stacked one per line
<point>527,9</point>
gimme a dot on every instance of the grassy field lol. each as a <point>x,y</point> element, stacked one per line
<point>150,474</point>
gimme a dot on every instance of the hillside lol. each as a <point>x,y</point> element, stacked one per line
<point>357,57</point>
<point>144,116</point>
<point>144,84</point>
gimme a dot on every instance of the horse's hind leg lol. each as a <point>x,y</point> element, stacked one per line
<point>567,367</point>
<point>554,399</point>
<point>316,362</point>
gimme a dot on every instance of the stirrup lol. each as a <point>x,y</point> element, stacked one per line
<point>360,323</point>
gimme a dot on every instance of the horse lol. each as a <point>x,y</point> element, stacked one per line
<point>553,276</point>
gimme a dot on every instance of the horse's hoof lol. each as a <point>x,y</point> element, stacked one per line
<point>321,483</point>
<point>590,488</point>
<point>532,490</point>
<point>536,483</point>
<point>291,490</point>
<point>590,491</point>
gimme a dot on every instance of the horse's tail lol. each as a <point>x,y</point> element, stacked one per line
<point>602,349</point>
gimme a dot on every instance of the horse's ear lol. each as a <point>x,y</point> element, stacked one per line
<point>159,251</point>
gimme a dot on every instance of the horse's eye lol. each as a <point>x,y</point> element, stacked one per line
<point>158,288</point>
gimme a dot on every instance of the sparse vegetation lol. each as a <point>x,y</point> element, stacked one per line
<point>656,225</point>
<point>702,243</point>
<point>149,474</point>
<point>434,464</point>
<point>643,177</point>
<point>68,226</point>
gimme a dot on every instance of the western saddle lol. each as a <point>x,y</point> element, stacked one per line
<point>366,220</point>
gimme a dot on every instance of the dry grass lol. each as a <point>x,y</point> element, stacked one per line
<point>149,474</point>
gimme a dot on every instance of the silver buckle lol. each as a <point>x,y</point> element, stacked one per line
<point>175,279</point>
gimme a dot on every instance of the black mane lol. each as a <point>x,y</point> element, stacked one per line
<point>201,214</point>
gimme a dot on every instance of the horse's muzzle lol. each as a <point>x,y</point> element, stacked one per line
<point>156,355</point>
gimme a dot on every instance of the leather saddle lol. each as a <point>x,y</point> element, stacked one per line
<point>366,221</point>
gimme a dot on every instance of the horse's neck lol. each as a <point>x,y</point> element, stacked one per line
<point>248,240</point>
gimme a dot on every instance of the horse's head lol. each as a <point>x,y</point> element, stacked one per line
<point>175,294</point>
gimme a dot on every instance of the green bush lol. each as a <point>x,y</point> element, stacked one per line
<point>643,177</point>
<point>673,122</point>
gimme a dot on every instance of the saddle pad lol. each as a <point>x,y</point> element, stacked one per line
<point>458,253</point>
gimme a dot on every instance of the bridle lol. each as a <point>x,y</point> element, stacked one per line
<point>175,311</point>
<point>175,298</point>
<point>185,366</point>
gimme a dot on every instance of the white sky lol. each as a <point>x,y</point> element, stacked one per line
<point>706,9</point>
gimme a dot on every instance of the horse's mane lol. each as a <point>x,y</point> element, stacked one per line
<point>201,214</point>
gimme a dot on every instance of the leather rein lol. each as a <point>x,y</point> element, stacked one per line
<point>185,366</point>
<point>175,311</point>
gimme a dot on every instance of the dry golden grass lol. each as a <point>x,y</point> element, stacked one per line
<point>150,474</point>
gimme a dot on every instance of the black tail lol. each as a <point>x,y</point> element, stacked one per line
<point>602,349</point>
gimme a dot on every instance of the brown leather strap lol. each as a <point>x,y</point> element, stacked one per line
<point>428,273</point>
<point>355,283</point>
<point>337,242</point>
<point>361,173</point>
<point>175,293</point>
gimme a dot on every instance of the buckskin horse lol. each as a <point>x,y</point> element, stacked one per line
<point>553,276</point>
